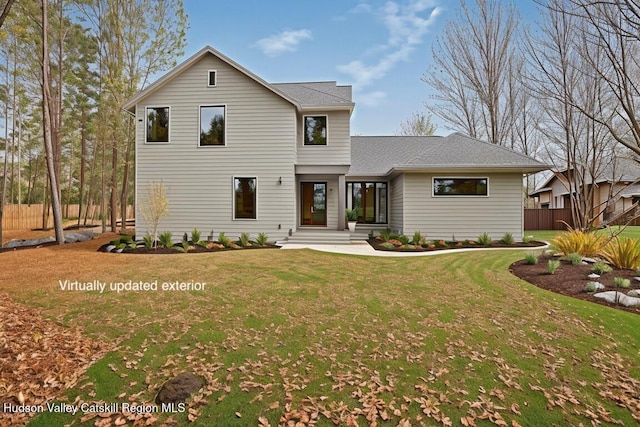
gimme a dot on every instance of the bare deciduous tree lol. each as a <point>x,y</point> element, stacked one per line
<point>579,147</point>
<point>155,207</point>
<point>46,113</point>
<point>419,124</point>
<point>474,72</point>
<point>613,27</point>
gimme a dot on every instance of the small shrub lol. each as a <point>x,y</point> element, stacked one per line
<point>531,259</point>
<point>574,258</point>
<point>623,253</point>
<point>484,239</point>
<point>507,239</point>
<point>223,240</point>
<point>527,239</point>
<point>371,235</point>
<point>621,282</point>
<point>591,287</point>
<point>403,239</point>
<point>581,242</point>
<point>352,214</point>
<point>183,246</point>
<point>148,241</point>
<point>385,234</point>
<point>417,238</point>
<point>166,239</point>
<point>553,266</point>
<point>244,239</point>
<point>262,239</point>
<point>387,245</point>
<point>601,268</point>
<point>195,236</point>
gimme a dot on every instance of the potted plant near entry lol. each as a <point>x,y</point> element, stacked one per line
<point>352,218</point>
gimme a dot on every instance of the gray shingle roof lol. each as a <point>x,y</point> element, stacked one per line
<point>316,93</point>
<point>381,155</point>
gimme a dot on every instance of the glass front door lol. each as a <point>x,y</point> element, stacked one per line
<point>314,203</point>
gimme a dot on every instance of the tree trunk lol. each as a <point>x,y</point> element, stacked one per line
<point>46,113</point>
<point>114,187</point>
<point>125,180</point>
<point>83,149</point>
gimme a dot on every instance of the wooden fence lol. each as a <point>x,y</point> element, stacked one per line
<point>547,219</point>
<point>29,217</point>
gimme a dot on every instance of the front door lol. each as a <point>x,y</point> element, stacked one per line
<point>314,203</point>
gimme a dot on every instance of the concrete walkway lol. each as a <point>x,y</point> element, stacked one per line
<point>367,250</point>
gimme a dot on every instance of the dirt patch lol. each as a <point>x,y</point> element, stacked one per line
<point>39,360</point>
<point>570,280</point>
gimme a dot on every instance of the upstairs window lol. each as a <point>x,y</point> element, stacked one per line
<point>315,130</point>
<point>157,124</point>
<point>460,186</point>
<point>212,125</point>
<point>212,78</point>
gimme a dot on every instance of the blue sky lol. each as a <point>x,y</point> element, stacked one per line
<point>381,48</point>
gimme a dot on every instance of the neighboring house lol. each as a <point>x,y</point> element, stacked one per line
<point>238,154</point>
<point>615,190</point>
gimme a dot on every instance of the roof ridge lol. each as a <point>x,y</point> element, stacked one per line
<point>321,91</point>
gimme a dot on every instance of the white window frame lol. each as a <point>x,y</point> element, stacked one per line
<point>233,197</point>
<point>304,130</point>
<point>146,125</point>
<point>200,122</point>
<point>461,196</point>
<point>215,78</point>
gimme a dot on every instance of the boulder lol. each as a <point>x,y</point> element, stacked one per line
<point>635,293</point>
<point>598,286</point>
<point>615,297</point>
<point>179,388</point>
<point>593,276</point>
<point>28,242</point>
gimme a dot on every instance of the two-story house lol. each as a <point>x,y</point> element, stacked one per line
<point>238,154</point>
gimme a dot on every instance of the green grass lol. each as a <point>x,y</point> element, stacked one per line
<point>278,332</point>
<point>547,235</point>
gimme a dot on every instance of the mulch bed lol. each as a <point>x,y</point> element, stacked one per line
<point>192,250</point>
<point>570,280</point>
<point>442,245</point>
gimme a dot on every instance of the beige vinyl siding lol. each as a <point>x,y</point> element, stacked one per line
<point>260,142</point>
<point>464,217</point>
<point>396,204</point>
<point>338,148</point>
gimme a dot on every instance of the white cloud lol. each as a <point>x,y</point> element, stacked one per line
<point>286,41</point>
<point>372,99</point>
<point>406,25</point>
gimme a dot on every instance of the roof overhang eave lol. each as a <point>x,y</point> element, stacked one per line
<point>524,169</point>
<point>327,107</point>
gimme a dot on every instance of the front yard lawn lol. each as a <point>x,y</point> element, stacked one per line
<point>328,339</point>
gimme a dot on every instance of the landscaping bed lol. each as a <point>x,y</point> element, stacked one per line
<point>165,244</point>
<point>571,280</point>
<point>395,245</point>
